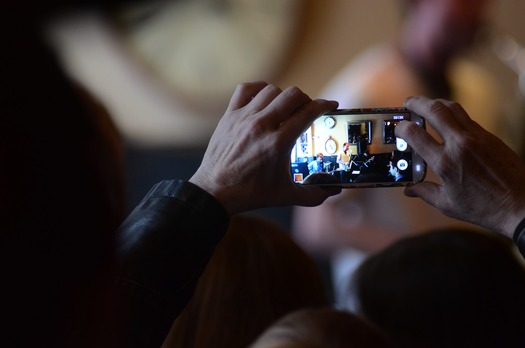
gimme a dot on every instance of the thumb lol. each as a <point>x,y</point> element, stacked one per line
<point>426,190</point>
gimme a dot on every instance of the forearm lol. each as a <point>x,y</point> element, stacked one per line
<point>163,247</point>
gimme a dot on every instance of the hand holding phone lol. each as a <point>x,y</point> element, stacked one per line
<point>357,148</point>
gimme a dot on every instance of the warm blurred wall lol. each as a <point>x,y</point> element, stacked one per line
<point>335,30</point>
<point>152,114</point>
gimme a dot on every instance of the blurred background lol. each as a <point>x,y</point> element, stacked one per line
<point>166,69</point>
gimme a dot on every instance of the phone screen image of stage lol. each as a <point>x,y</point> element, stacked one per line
<point>352,148</point>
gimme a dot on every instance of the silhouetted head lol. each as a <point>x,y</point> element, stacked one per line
<point>322,328</point>
<point>449,288</point>
<point>256,275</point>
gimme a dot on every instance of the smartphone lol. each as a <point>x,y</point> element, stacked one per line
<point>352,148</point>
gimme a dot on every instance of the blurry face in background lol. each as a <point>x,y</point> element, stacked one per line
<point>453,24</point>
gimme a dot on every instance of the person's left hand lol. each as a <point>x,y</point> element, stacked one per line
<point>247,162</point>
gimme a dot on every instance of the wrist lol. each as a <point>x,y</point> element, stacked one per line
<point>219,192</point>
<point>509,223</point>
<point>509,215</point>
<point>188,192</point>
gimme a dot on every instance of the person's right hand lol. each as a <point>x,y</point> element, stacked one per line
<point>483,180</point>
<point>247,162</point>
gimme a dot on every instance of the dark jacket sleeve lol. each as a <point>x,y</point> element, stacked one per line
<point>162,249</point>
<point>519,237</point>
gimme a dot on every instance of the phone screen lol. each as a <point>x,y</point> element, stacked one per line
<point>357,148</point>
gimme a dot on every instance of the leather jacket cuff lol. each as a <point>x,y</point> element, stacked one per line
<point>176,223</point>
<point>519,237</point>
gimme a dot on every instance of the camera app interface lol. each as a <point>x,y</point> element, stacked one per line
<point>357,147</point>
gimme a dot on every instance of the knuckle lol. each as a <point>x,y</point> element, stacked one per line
<point>249,86</point>
<point>295,92</point>
<point>411,129</point>
<point>274,88</point>
<point>243,86</point>
<point>455,107</point>
<point>408,130</point>
<point>436,107</point>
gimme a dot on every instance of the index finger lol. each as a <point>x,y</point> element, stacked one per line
<point>305,116</point>
<point>244,93</point>
<point>286,104</point>
<point>420,140</point>
<point>437,113</point>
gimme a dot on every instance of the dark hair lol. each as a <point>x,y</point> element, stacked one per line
<point>448,288</point>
